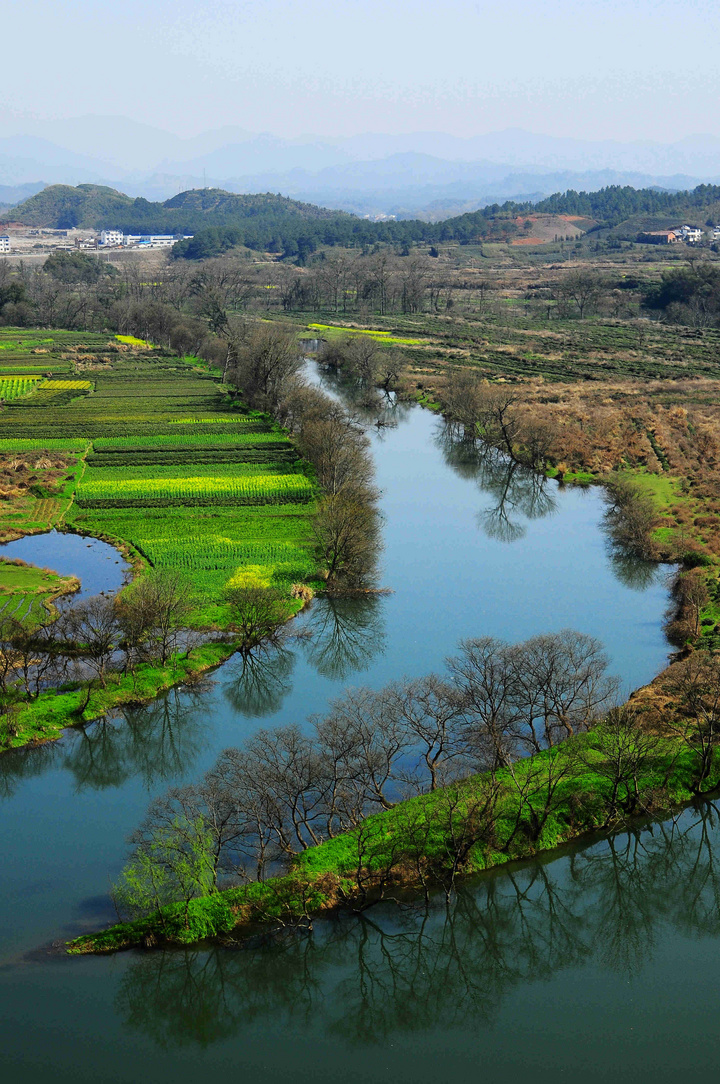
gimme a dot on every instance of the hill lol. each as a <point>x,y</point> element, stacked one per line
<point>96,206</point>
<point>221,220</point>
<point>62,207</point>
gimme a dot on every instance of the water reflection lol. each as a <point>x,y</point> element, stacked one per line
<point>392,971</point>
<point>344,635</point>
<point>372,406</point>
<point>516,493</point>
<point>18,765</point>
<point>631,570</point>
<point>157,742</point>
<point>259,682</point>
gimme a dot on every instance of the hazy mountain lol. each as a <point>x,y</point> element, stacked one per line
<point>408,184</point>
<point>27,159</point>
<point>11,195</point>
<point>366,174</point>
<point>694,155</point>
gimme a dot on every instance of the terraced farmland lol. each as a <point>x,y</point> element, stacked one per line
<point>13,387</point>
<point>164,462</point>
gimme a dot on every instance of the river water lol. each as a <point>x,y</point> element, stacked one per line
<point>541,970</point>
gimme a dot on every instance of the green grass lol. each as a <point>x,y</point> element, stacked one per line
<point>663,488</point>
<point>27,592</point>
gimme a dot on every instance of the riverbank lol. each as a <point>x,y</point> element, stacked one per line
<point>49,714</point>
<point>430,841</point>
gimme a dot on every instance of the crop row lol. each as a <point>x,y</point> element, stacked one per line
<point>35,445</point>
<point>14,387</point>
<point>113,476</point>
<point>279,522</point>
<point>65,385</point>
<point>248,488</point>
<point>187,440</point>
<point>219,552</point>
<point>284,458</point>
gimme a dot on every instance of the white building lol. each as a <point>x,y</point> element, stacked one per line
<point>691,235</point>
<point>149,240</point>
<point>111,237</point>
<point>4,244</point>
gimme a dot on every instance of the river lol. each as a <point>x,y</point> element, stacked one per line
<point>517,975</point>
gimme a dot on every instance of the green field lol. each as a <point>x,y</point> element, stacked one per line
<point>158,458</point>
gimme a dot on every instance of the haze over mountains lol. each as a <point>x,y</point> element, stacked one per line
<point>427,173</point>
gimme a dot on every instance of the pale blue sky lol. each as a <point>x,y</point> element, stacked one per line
<point>623,69</point>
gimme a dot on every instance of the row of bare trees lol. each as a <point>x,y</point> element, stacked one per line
<point>511,712</point>
<point>265,364</point>
<point>286,790</point>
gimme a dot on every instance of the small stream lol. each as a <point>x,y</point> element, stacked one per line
<point>473,547</point>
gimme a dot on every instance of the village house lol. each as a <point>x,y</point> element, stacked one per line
<point>658,237</point>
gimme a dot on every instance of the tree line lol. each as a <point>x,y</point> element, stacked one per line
<point>287,790</point>
<point>513,713</point>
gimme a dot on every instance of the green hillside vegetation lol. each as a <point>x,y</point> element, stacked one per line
<point>62,206</point>
<point>95,206</point>
<point>222,220</point>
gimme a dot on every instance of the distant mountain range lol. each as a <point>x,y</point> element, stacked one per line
<point>422,173</point>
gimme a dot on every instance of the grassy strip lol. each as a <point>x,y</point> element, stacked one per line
<point>44,718</point>
<point>324,877</point>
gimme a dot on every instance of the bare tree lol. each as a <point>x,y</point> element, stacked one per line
<point>95,630</point>
<point>347,538</point>
<point>257,613</point>
<point>583,288</point>
<point>431,710</point>
<point>264,362</point>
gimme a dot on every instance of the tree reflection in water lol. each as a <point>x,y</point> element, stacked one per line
<point>17,765</point>
<point>344,635</point>
<point>259,682</point>
<point>158,742</point>
<point>520,494</point>
<point>394,971</point>
<point>516,492</point>
<point>631,570</point>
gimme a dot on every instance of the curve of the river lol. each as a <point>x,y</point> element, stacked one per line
<point>472,548</point>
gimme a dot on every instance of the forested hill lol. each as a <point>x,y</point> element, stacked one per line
<point>614,204</point>
<point>96,207</point>
<point>221,220</point>
<point>498,222</point>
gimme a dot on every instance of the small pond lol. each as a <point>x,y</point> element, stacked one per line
<point>99,566</point>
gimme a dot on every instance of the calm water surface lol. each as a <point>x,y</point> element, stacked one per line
<point>516,978</point>
<point>99,566</point>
